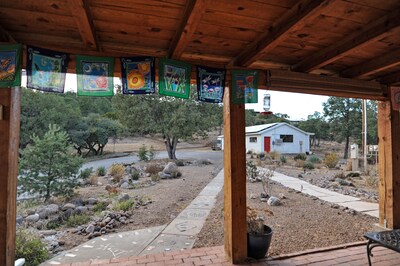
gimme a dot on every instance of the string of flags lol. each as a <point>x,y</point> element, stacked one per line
<point>46,71</point>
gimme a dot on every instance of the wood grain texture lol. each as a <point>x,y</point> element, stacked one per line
<point>10,99</point>
<point>389,165</point>
<point>235,207</point>
<point>371,32</point>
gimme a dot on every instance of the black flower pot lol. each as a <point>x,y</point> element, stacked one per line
<point>258,244</point>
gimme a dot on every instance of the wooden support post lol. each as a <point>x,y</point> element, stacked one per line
<point>235,208</point>
<point>10,99</point>
<point>389,165</point>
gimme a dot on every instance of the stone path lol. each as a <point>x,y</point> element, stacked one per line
<point>180,234</point>
<point>354,203</point>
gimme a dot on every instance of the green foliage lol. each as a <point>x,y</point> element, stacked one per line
<point>30,247</point>
<point>331,160</point>
<point>91,134</point>
<point>85,173</point>
<point>77,219</point>
<point>142,153</point>
<point>117,171</point>
<point>151,153</point>
<point>174,118</point>
<point>251,170</point>
<point>125,205</point>
<point>47,166</point>
<point>316,124</point>
<point>101,171</point>
<point>308,165</point>
<point>253,118</point>
<point>314,159</point>
<point>300,156</point>
<point>135,174</point>
<point>283,159</point>
<point>53,224</point>
<point>100,206</point>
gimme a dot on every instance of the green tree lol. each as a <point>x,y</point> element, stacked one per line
<point>47,167</point>
<point>39,110</point>
<point>176,119</point>
<point>316,124</point>
<point>344,115</point>
<point>372,123</point>
<point>253,118</point>
<point>91,134</point>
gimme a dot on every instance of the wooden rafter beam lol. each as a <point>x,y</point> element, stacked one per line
<point>81,12</point>
<point>373,66</point>
<point>371,32</point>
<point>191,19</point>
<point>292,20</point>
<point>390,79</point>
<point>6,36</point>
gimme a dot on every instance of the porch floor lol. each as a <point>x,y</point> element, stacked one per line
<point>340,255</point>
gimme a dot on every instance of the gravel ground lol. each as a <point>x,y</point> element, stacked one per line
<point>299,223</point>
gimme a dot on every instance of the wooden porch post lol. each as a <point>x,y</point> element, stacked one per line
<point>10,99</point>
<point>235,226</point>
<point>389,165</point>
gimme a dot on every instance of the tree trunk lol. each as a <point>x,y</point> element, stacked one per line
<point>171,146</point>
<point>346,149</point>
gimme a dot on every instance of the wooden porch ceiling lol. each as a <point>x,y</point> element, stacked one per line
<point>358,39</point>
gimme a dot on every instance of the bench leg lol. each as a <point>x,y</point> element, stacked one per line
<point>369,254</point>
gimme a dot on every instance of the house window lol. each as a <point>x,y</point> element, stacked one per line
<point>253,139</point>
<point>287,138</point>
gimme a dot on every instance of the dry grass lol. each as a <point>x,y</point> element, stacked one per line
<point>153,168</point>
<point>117,171</point>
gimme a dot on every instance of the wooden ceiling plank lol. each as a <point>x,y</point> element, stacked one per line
<point>81,12</point>
<point>292,20</point>
<point>193,14</point>
<point>371,32</point>
<point>390,79</point>
<point>6,36</point>
<point>373,66</point>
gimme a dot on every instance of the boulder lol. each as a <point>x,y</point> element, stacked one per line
<point>81,209</point>
<point>43,213</point>
<point>52,208</point>
<point>273,201</point>
<point>163,175</point>
<point>124,197</point>
<point>19,219</point>
<point>170,168</point>
<point>48,232</point>
<point>89,229</point>
<point>68,206</point>
<point>125,185</point>
<point>92,201</point>
<point>32,218</point>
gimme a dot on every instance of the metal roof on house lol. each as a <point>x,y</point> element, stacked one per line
<point>260,128</point>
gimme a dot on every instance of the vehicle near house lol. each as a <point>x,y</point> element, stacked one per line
<point>280,137</point>
<point>218,144</point>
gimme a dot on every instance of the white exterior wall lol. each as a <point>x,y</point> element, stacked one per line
<point>283,148</point>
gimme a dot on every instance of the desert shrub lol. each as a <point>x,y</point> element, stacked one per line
<point>100,206</point>
<point>331,160</point>
<point>251,171</point>
<point>142,153</point>
<point>53,224</point>
<point>340,175</point>
<point>117,171</point>
<point>125,205</point>
<point>151,153</point>
<point>93,180</point>
<point>274,155</point>
<point>135,174</point>
<point>101,171</point>
<point>314,159</point>
<point>299,163</point>
<point>300,156</point>
<point>283,159</point>
<point>153,168</point>
<point>308,165</point>
<point>155,178</point>
<point>30,247</point>
<point>179,163</point>
<point>85,173</point>
<point>353,174</point>
<point>77,219</point>
<point>371,181</point>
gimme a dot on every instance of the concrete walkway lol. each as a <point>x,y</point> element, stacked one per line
<point>180,234</point>
<point>354,203</point>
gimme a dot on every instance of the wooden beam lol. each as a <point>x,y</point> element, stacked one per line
<point>81,12</point>
<point>6,36</point>
<point>371,32</point>
<point>390,79</point>
<point>235,209</point>
<point>282,80</point>
<point>373,66</point>
<point>10,99</point>
<point>191,19</point>
<point>389,165</point>
<point>292,20</point>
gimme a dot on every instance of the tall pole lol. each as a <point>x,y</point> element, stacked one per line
<point>364,129</point>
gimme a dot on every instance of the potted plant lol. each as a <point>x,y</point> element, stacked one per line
<point>259,235</point>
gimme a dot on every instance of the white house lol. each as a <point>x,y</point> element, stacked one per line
<point>280,137</point>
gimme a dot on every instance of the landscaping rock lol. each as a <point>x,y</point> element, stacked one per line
<point>123,197</point>
<point>89,229</point>
<point>68,206</point>
<point>163,175</point>
<point>170,168</point>
<point>273,201</point>
<point>125,185</point>
<point>92,201</point>
<point>32,218</point>
<point>43,213</point>
<point>52,209</point>
<point>19,220</point>
<point>81,209</point>
<point>48,232</point>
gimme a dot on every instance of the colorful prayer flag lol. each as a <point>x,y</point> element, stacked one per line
<point>174,78</point>
<point>138,75</point>
<point>10,65</point>
<point>210,84</point>
<point>244,86</point>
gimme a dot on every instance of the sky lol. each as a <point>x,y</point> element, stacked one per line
<point>296,105</point>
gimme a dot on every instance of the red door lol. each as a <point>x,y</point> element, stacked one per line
<point>267,144</point>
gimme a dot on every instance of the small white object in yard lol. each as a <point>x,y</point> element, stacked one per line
<point>273,201</point>
<point>19,262</point>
